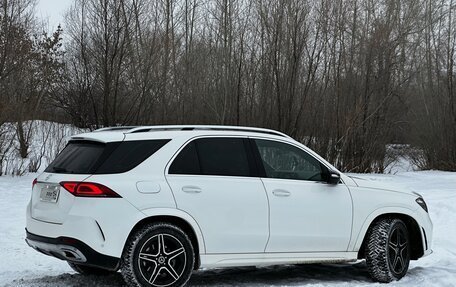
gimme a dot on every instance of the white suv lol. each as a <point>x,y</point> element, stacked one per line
<point>159,202</point>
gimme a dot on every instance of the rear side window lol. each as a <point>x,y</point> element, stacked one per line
<point>186,162</point>
<point>128,155</point>
<point>213,156</point>
<point>86,157</point>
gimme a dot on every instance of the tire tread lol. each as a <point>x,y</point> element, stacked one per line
<point>376,250</point>
<point>127,271</point>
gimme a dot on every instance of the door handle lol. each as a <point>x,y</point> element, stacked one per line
<point>191,189</point>
<point>281,193</point>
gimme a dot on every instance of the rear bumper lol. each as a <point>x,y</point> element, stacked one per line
<point>73,250</point>
<point>102,224</point>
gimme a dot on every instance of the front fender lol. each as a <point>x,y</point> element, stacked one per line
<point>356,244</point>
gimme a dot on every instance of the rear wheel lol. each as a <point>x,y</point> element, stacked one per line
<point>158,255</point>
<point>388,250</point>
<point>89,270</point>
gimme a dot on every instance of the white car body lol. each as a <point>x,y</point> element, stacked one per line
<point>236,221</point>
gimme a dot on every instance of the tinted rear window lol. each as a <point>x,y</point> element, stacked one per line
<point>128,155</point>
<point>77,157</point>
<point>86,157</point>
<point>223,156</point>
<point>213,156</point>
<point>186,162</point>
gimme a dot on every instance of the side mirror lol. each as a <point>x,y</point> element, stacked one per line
<point>333,177</point>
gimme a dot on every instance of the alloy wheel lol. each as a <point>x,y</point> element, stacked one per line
<point>398,249</point>
<point>162,260</point>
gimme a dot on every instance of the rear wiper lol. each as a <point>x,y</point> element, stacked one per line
<point>59,169</point>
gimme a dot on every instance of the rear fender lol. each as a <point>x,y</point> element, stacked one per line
<point>151,212</point>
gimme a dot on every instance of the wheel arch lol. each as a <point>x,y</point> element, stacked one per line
<point>188,225</point>
<point>413,227</point>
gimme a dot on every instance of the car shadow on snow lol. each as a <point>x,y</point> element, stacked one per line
<point>282,275</point>
<point>246,276</point>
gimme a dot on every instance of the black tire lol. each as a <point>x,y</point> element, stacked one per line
<point>388,250</point>
<point>89,270</point>
<point>157,266</point>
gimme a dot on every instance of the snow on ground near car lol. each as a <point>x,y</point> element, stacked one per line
<point>22,266</point>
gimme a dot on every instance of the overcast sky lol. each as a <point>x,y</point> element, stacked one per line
<point>53,11</point>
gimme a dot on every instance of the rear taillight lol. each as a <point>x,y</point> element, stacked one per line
<point>34,182</point>
<point>88,189</point>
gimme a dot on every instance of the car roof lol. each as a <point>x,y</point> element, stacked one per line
<point>120,133</point>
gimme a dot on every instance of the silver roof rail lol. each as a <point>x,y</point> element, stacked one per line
<point>118,128</point>
<point>142,129</point>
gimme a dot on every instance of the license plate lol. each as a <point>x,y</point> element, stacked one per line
<point>50,193</point>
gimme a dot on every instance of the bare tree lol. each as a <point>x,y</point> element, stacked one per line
<point>346,77</point>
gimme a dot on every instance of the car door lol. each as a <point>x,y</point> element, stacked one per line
<point>213,179</point>
<point>306,213</point>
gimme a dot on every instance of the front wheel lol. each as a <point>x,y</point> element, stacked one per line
<point>158,255</point>
<point>388,250</point>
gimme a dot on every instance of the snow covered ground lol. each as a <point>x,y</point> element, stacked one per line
<point>22,266</point>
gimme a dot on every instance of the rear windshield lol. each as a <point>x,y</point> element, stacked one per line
<point>87,157</point>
